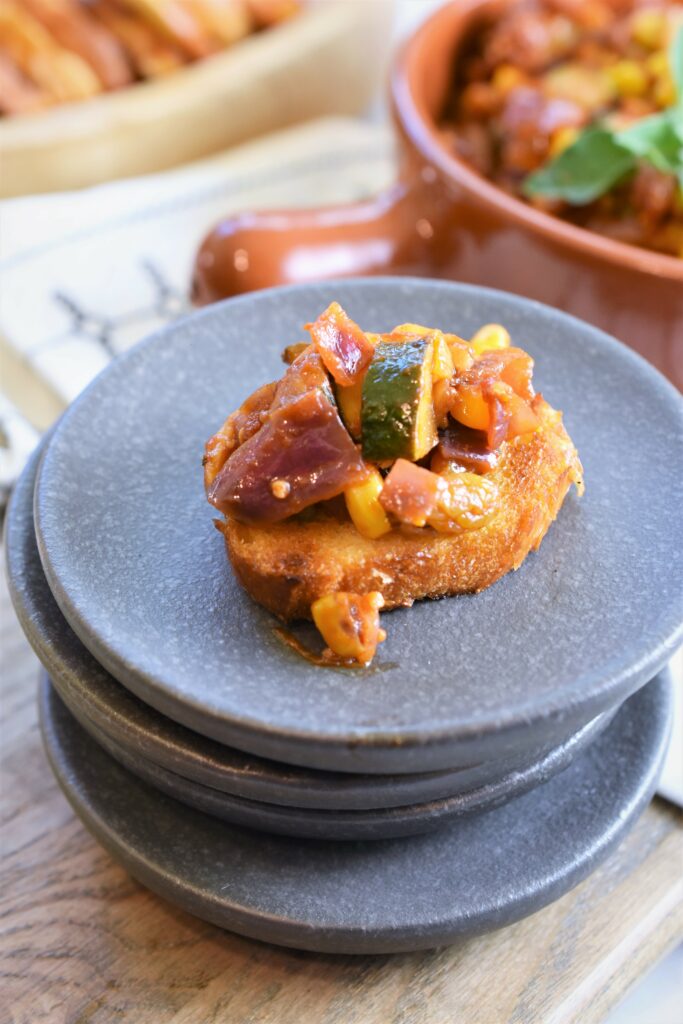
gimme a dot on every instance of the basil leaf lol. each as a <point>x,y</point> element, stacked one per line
<point>654,139</point>
<point>600,158</point>
<point>676,63</point>
<point>585,170</point>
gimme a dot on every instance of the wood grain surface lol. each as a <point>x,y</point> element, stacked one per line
<point>82,943</point>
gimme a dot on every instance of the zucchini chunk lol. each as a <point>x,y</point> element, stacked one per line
<point>397,411</point>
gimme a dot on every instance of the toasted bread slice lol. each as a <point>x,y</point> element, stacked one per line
<point>288,565</point>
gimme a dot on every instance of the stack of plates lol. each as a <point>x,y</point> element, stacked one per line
<point>496,749</point>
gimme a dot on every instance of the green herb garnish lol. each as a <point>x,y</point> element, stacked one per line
<point>600,156</point>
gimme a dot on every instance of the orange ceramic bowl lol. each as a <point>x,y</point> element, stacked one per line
<point>444,219</point>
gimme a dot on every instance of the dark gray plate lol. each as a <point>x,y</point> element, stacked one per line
<point>140,733</point>
<point>314,823</point>
<point>477,874</point>
<point>137,568</point>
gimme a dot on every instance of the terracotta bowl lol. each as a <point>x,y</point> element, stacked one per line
<point>444,219</point>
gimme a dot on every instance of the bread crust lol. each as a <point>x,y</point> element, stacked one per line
<point>286,566</point>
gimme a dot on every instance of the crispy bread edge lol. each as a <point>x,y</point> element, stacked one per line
<point>286,566</point>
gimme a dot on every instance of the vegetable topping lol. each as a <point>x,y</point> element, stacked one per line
<point>349,625</point>
<point>411,493</point>
<point>303,443</point>
<point>305,439</point>
<point>365,508</point>
<point>448,501</point>
<point>407,427</point>
<point>237,429</point>
<point>397,413</point>
<point>468,448</point>
<point>344,348</point>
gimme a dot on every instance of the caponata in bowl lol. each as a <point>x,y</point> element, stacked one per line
<point>577,107</point>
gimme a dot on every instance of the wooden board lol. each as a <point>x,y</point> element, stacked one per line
<point>82,943</point>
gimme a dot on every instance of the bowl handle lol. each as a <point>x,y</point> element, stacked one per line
<point>398,231</point>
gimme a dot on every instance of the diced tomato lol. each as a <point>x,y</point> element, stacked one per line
<point>511,365</point>
<point>410,492</point>
<point>470,407</point>
<point>523,419</point>
<point>479,396</point>
<point>344,348</point>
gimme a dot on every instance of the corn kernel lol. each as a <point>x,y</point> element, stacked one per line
<point>470,408</point>
<point>629,78</point>
<point>490,337</point>
<point>280,488</point>
<point>562,139</point>
<point>664,92</point>
<point>412,330</point>
<point>349,623</point>
<point>362,502</point>
<point>442,366</point>
<point>461,353</point>
<point>658,63</point>
<point>649,27</point>
<point>589,88</point>
<point>350,401</point>
<point>507,77</point>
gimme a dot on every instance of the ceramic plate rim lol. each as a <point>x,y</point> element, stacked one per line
<point>337,938</point>
<point>502,718</point>
<point>432,813</point>
<point>19,532</point>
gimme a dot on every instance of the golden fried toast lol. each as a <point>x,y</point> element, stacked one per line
<point>287,566</point>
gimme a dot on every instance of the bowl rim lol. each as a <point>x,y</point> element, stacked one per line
<point>410,108</point>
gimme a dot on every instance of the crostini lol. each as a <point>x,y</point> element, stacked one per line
<point>386,468</point>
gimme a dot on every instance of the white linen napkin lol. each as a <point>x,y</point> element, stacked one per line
<point>87,274</point>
